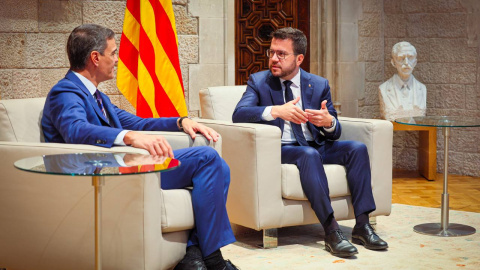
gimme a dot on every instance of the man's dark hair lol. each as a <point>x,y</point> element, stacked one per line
<point>298,37</point>
<point>85,39</point>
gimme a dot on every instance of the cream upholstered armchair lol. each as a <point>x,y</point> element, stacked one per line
<point>47,222</point>
<point>266,195</point>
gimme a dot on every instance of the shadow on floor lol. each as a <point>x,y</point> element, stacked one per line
<point>305,235</point>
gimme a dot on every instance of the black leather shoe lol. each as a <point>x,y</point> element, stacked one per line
<point>191,264</point>
<point>338,245</point>
<point>365,235</point>
<point>193,260</point>
<point>230,266</point>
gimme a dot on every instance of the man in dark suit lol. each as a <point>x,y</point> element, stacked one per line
<point>76,112</point>
<point>299,104</point>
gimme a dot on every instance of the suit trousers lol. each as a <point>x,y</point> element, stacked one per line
<point>202,168</point>
<point>310,160</point>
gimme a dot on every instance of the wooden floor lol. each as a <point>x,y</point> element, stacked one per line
<point>412,189</point>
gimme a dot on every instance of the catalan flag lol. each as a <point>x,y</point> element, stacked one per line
<point>148,73</point>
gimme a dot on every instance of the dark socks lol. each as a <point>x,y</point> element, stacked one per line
<point>215,261</point>
<point>330,225</point>
<point>361,220</point>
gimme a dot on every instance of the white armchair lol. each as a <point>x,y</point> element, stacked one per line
<point>265,194</point>
<point>47,221</point>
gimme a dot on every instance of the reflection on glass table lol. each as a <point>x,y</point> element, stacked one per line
<point>97,165</point>
<point>100,164</point>
<point>439,121</point>
<point>444,228</point>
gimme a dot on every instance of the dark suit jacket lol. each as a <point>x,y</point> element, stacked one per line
<point>72,115</point>
<point>263,89</point>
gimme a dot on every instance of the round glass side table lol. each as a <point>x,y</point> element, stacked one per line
<point>97,166</point>
<point>444,228</point>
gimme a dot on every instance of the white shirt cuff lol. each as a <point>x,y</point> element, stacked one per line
<point>119,138</point>
<point>267,114</point>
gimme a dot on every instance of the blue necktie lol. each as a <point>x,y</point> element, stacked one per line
<point>296,128</point>
<point>100,104</point>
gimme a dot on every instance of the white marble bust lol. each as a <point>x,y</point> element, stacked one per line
<point>402,95</point>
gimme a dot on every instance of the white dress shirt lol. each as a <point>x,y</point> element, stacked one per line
<point>288,137</point>
<point>92,89</point>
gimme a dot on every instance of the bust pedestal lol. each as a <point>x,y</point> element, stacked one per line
<point>427,151</point>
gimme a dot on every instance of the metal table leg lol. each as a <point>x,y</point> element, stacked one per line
<point>444,228</point>
<point>98,182</point>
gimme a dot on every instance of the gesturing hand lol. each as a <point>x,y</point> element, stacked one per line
<point>320,118</point>
<point>154,144</point>
<point>191,127</point>
<point>290,112</point>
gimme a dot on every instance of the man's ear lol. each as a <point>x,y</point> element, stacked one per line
<point>300,58</point>
<point>95,58</point>
<point>393,63</point>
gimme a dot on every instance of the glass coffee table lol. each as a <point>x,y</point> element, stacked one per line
<point>444,228</point>
<point>97,166</point>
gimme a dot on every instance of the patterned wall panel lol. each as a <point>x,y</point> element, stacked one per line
<point>255,21</point>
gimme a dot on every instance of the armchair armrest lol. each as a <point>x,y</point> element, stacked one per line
<point>179,140</point>
<point>377,135</point>
<point>253,153</point>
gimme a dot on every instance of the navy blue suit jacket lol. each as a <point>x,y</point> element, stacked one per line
<point>263,89</point>
<point>72,115</point>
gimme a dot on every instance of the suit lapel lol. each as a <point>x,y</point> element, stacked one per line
<point>276,93</point>
<point>306,89</point>
<point>91,99</point>
<point>307,94</point>
<point>275,90</point>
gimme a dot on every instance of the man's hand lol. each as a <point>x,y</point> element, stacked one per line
<point>154,144</point>
<point>191,128</point>
<point>290,112</point>
<point>320,118</point>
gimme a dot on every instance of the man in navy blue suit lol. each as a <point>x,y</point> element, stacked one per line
<point>76,112</point>
<point>299,104</point>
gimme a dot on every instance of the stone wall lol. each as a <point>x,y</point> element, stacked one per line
<point>33,34</point>
<point>445,34</point>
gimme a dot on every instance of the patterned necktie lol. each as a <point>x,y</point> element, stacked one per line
<point>100,104</point>
<point>297,128</point>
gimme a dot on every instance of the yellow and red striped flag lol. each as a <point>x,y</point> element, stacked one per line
<point>148,73</point>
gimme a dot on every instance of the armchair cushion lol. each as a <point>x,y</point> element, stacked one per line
<point>292,187</point>
<point>219,102</point>
<point>172,219</point>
